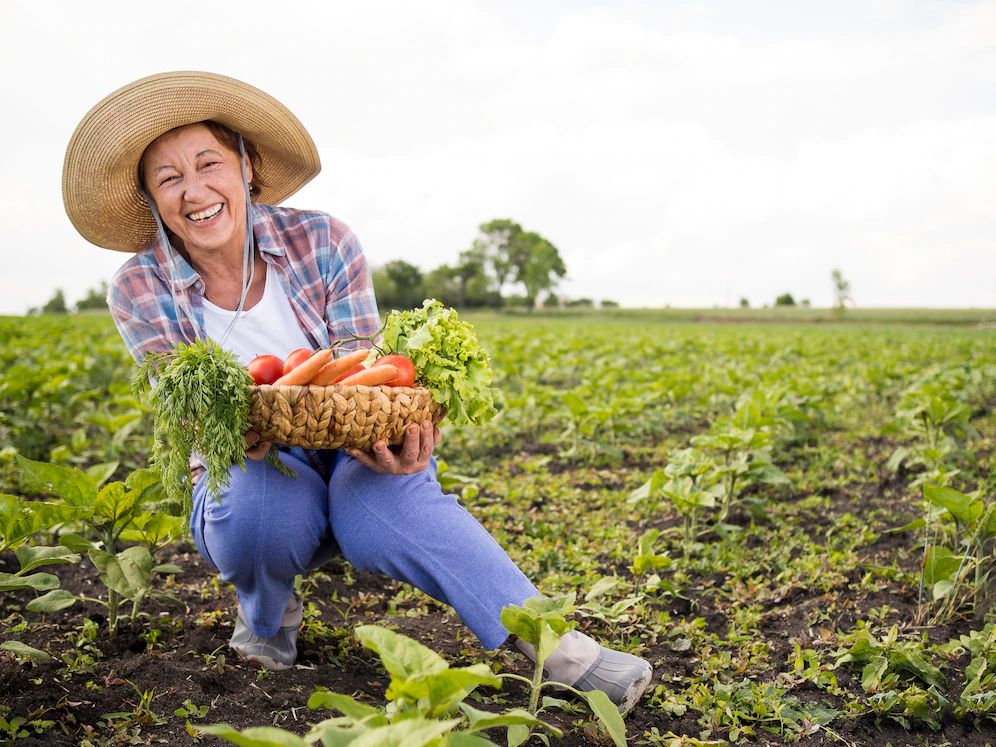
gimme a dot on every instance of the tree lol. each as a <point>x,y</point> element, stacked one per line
<point>94,300</point>
<point>56,304</point>
<point>398,285</point>
<point>500,242</point>
<point>744,303</point>
<point>785,300</point>
<point>518,256</point>
<point>542,268</point>
<point>475,287</point>
<point>841,291</point>
<point>440,283</point>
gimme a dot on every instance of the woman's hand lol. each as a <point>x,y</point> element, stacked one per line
<point>256,449</point>
<point>412,456</point>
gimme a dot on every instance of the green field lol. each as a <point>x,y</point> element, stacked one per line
<point>794,522</point>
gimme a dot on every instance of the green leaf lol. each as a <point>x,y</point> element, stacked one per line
<point>608,713</point>
<point>942,589</point>
<point>53,601</point>
<point>258,736</point>
<point>603,586</point>
<point>156,529</point>
<point>940,564</point>
<point>101,473</point>
<point>335,734</point>
<point>414,732</point>
<point>520,623</point>
<point>517,734</point>
<point>77,543</point>
<point>871,675</point>
<point>481,720</point>
<point>402,657</point>
<point>72,485</point>
<point>114,501</point>
<point>915,663</point>
<point>36,581</point>
<point>442,691</point>
<point>348,706</point>
<point>965,509</point>
<point>461,739</point>
<point>649,489</point>
<point>31,557</point>
<point>167,569</point>
<point>24,651</point>
<point>128,573</point>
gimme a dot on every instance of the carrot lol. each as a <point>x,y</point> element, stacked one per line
<point>302,374</point>
<point>332,370</point>
<point>371,376</point>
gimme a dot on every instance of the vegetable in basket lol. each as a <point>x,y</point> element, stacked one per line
<point>200,393</point>
<point>448,358</point>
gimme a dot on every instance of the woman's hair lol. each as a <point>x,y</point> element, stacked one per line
<point>230,139</point>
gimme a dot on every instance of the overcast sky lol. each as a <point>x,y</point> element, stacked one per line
<point>682,153</point>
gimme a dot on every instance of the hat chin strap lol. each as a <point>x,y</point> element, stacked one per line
<point>248,254</point>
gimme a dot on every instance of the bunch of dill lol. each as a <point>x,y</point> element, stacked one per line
<point>200,400</point>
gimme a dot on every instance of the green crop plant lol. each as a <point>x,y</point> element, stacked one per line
<point>959,551</point>
<point>978,696</point>
<point>107,516</point>
<point>934,416</point>
<point>426,705</point>
<point>888,661</point>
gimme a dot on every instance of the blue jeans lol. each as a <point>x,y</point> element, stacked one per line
<point>268,528</point>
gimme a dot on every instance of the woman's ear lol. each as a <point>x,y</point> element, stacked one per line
<point>248,162</point>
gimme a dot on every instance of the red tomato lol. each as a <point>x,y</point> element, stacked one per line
<point>296,358</point>
<point>355,369</point>
<point>265,369</point>
<point>406,369</point>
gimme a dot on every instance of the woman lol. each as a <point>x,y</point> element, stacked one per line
<point>183,169</point>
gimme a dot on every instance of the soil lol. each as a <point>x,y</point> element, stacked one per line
<point>188,659</point>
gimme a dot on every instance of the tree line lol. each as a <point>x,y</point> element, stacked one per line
<point>504,266</point>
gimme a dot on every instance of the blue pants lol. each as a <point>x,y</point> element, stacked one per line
<point>268,528</point>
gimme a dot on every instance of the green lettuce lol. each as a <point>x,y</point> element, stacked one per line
<point>448,357</point>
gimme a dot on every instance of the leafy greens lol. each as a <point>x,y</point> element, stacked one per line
<point>448,358</point>
<point>200,399</point>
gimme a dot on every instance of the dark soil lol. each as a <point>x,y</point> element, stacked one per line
<point>174,653</point>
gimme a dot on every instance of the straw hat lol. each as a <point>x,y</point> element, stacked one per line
<point>100,172</point>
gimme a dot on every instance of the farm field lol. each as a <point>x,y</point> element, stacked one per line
<point>795,523</point>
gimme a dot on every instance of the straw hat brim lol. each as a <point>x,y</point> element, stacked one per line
<point>100,172</point>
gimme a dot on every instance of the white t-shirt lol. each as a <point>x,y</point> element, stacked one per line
<point>269,327</point>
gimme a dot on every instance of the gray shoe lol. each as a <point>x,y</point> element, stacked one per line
<point>621,676</point>
<point>581,662</point>
<point>278,651</point>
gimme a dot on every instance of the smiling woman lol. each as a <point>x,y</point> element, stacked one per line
<point>163,167</point>
<point>197,184</point>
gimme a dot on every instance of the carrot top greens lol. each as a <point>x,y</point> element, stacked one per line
<point>200,400</point>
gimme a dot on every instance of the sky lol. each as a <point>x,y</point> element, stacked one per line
<point>682,153</point>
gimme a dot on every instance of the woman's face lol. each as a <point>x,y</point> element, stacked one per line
<point>196,183</point>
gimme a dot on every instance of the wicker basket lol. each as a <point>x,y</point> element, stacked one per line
<point>334,417</point>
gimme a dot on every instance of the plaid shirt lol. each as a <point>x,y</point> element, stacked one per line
<point>319,262</point>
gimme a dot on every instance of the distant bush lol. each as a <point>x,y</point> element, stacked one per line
<point>55,305</point>
<point>606,304</point>
<point>94,300</point>
<point>785,300</point>
<point>580,303</point>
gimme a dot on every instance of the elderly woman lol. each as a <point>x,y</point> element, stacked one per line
<point>184,169</point>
